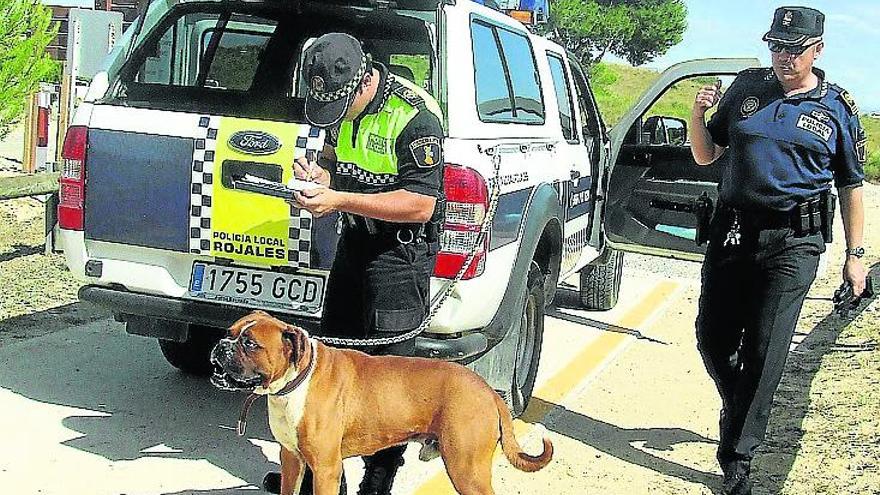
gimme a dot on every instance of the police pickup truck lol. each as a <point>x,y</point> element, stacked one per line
<point>200,93</point>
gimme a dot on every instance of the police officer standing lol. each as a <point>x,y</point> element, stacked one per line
<point>383,170</point>
<point>789,135</point>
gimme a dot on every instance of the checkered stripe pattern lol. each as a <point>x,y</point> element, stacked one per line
<point>363,176</point>
<point>299,243</point>
<point>202,185</point>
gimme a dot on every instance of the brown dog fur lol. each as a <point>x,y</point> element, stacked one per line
<point>354,404</point>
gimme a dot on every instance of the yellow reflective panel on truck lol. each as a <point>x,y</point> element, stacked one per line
<point>244,226</point>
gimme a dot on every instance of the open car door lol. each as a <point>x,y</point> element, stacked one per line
<point>655,187</point>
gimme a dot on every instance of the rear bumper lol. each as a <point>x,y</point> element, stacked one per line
<point>123,302</point>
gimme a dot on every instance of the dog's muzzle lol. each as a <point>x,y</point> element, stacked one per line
<point>228,374</point>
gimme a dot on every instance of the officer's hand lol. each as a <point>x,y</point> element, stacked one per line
<point>310,171</point>
<point>707,97</point>
<point>318,202</point>
<point>855,273</point>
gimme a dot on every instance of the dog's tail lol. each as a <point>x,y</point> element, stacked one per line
<point>511,448</point>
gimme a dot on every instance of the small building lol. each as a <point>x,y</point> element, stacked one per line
<point>60,9</point>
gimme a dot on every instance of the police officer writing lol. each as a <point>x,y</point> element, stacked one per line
<point>383,170</point>
<point>788,136</point>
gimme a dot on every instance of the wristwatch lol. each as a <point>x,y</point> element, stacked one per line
<point>858,252</point>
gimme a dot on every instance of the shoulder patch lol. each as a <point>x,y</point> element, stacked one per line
<point>862,151</point>
<point>849,102</point>
<point>425,151</point>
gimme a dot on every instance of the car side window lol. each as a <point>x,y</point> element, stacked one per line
<point>523,76</point>
<point>563,97</point>
<point>493,94</point>
<point>590,125</point>
<point>506,77</point>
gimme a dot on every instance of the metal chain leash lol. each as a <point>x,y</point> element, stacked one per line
<point>438,301</point>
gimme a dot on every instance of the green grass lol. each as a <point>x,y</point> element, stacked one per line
<point>872,168</point>
<point>617,87</point>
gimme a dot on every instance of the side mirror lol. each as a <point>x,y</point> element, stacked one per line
<point>676,131</point>
<point>660,130</point>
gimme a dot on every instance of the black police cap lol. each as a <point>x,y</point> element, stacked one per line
<point>334,65</point>
<point>796,25</point>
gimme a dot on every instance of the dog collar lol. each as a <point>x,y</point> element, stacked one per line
<point>290,387</point>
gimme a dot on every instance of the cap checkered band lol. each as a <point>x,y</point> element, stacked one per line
<point>328,96</point>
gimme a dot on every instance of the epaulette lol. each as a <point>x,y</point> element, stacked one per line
<point>848,101</point>
<point>763,73</point>
<point>407,94</point>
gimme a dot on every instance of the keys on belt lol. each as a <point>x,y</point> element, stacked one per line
<point>734,235</point>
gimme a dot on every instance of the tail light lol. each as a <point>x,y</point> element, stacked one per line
<point>71,210</point>
<point>467,202</point>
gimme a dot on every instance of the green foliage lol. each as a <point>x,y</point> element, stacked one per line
<point>26,29</point>
<point>872,127</point>
<point>635,30</point>
<point>617,86</point>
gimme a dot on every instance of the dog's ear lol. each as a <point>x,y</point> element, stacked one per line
<point>297,340</point>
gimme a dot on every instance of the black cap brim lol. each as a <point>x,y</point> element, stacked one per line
<point>787,38</point>
<point>327,114</point>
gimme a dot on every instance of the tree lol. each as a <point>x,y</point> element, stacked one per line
<point>26,29</point>
<point>636,30</point>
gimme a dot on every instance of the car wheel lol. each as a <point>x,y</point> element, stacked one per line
<point>600,283</point>
<point>194,355</point>
<point>528,348</point>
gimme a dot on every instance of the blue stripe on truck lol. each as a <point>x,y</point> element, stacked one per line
<point>138,189</point>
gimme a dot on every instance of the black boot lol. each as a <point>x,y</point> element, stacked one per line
<point>379,471</point>
<point>736,478</point>
<point>272,483</point>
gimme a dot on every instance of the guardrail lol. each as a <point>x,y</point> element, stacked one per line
<point>28,185</point>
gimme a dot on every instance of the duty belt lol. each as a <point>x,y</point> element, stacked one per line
<point>812,216</point>
<point>404,233</point>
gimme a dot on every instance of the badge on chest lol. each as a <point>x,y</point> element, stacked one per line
<point>813,125</point>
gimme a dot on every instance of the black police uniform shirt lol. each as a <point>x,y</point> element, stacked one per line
<point>412,177</point>
<point>784,150</point>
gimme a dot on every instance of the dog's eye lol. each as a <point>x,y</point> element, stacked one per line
<point>250,344</point>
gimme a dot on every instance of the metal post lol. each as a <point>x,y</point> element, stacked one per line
<point>63,113</point>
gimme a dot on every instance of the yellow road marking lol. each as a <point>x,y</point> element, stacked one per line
<point>558,386</point>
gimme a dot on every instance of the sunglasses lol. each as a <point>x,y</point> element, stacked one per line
<point>796,50</point>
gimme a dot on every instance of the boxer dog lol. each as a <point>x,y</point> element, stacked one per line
<point>328,404</point>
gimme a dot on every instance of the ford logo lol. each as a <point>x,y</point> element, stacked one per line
<point>254,142</point>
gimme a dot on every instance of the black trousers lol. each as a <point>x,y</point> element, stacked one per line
<point>378,287</point>
<point>751,298</point>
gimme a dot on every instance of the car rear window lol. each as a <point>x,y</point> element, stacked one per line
<point>201,50</point>
<point>211,59</point>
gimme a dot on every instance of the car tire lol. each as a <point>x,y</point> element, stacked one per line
<point>193,356</point>
<point>530,338</point>
<point>600,283</point>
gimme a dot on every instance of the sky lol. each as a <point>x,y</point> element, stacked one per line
<point>734,29</point>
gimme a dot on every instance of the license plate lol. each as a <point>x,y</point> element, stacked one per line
<point>297,293</point>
